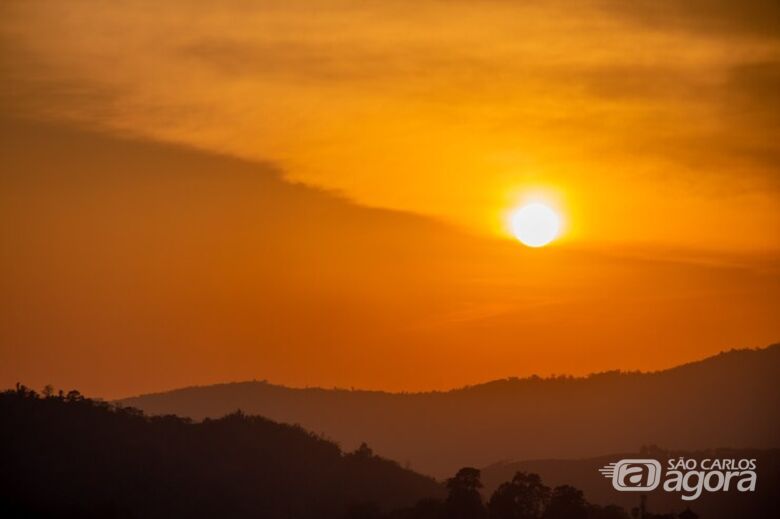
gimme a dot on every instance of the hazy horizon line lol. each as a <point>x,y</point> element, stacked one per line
<point>532,377</point>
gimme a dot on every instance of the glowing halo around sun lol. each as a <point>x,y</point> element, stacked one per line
<point>535,224</point>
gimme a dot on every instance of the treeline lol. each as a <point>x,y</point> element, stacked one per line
<point>64,455</point>
<point>524,497</point>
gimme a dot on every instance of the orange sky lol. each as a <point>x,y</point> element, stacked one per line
<point>169,179</point>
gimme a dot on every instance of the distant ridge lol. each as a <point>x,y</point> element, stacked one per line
<point>732,353</point>
<point>727,400</point>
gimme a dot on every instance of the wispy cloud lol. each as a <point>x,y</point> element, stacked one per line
<point>618,105</point>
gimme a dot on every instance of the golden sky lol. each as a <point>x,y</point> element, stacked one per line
<point>651,125</point>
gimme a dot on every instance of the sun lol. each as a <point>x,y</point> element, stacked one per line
<point>535,224</point>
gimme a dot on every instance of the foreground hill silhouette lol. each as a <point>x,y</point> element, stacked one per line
<point>729,400</point>
<point>67,456</point>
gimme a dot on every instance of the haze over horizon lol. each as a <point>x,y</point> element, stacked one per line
<point>319,193</point>
<point>520,419</point>
<point>532,376</point>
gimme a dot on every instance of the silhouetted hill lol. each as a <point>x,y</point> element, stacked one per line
<point>66,456</point>
<point>583,474</point>
<point>729,400</point>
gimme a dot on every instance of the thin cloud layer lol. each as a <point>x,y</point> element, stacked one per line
<point>621,109</point>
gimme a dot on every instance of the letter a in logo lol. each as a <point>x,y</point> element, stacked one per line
<point>633,475</point>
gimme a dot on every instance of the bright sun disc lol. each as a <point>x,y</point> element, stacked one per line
<point>535,225</point>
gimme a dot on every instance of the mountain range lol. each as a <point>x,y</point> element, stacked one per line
<point>727,400</point>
